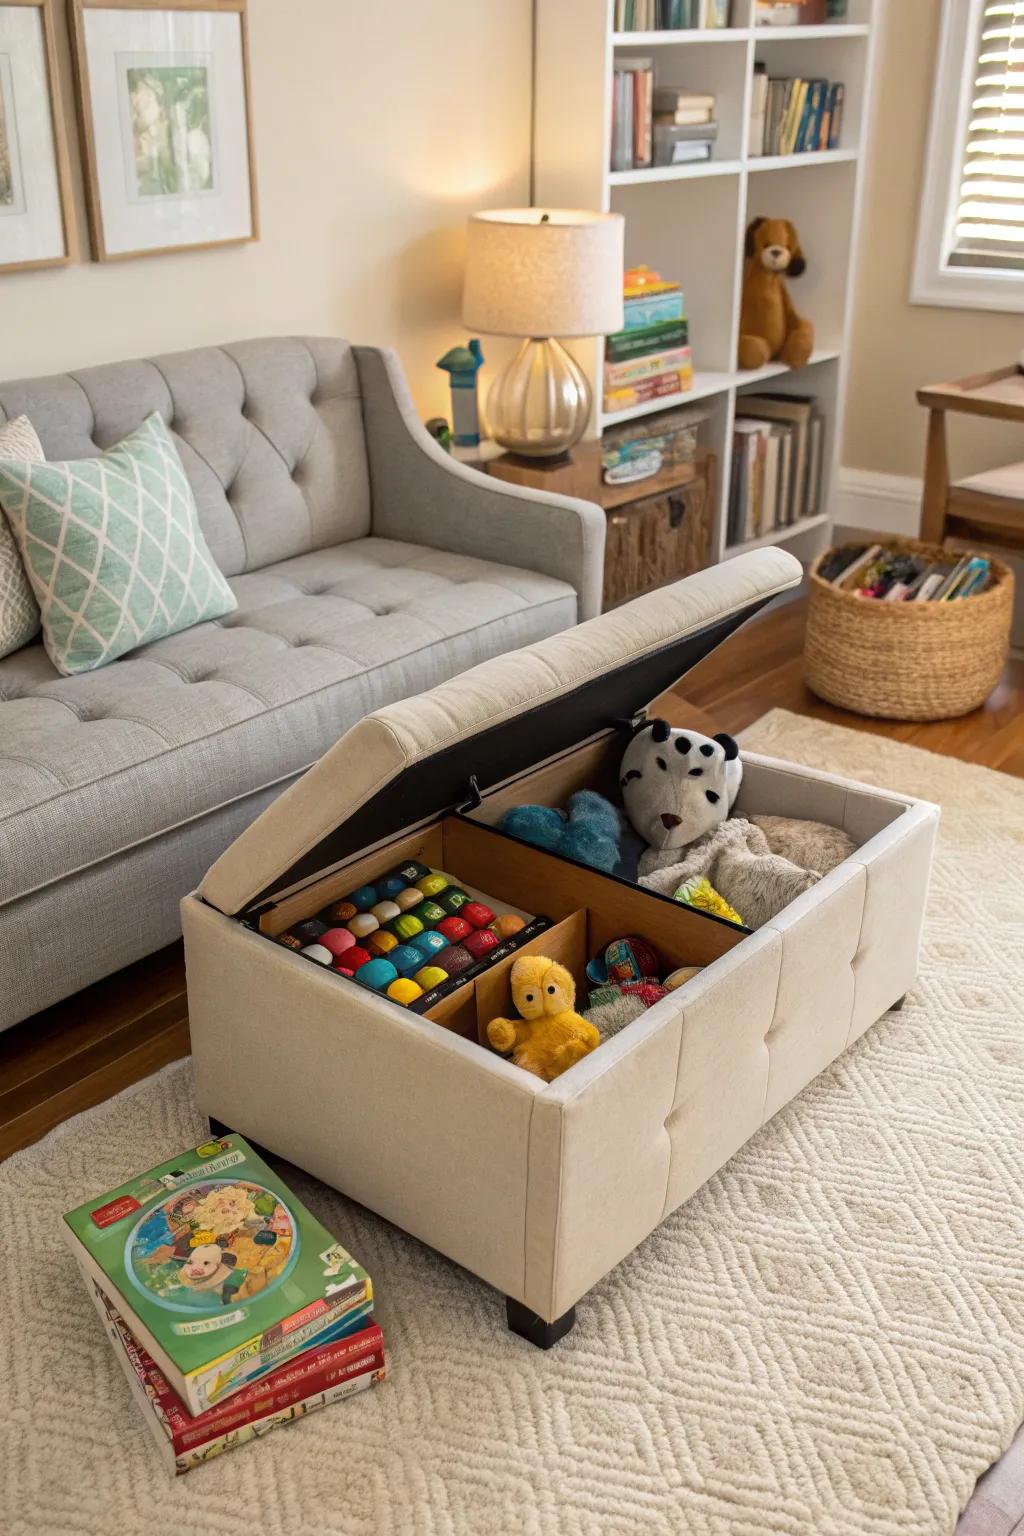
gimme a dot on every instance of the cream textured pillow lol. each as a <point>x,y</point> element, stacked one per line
<point>19,611</point>
<point>113,548</point>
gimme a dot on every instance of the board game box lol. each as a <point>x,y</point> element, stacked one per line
<point>217,1269</point>
<point>318,1378</point>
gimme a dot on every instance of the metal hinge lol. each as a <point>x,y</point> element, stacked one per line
<point>474,798</point>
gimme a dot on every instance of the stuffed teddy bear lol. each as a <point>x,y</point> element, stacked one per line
<point>587,830</point>
<point>769,325</point>
<point>678,788</point>
<point>549,1037</point>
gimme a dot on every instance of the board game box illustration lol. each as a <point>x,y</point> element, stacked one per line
<point>218,1268</point>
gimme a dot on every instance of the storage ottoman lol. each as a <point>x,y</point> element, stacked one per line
<point>539,1188</point>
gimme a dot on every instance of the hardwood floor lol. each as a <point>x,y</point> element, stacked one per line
<point>93,1045</point>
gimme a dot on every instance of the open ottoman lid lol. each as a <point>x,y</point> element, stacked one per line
<point>412,761</point>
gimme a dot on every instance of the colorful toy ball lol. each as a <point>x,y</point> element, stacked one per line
<point>429,913</point>
<point>309,931</point>
<point>381,942</point>
<point>481,942</point>
<point>454,960</point>
<point>411,872</point>
<point>342,970</point>
<point>365,898</point>
<point>362,924</point>
<point>378,974</point>
<point>476,914</point>
<point>337,940</point>
<point>408,898</point>
<point>404,991</point>
<point>339,912</point>
<point>506,925</point>
<point>289,940</point>
<point>356,958</point>
<point>390,886</point>
<point>432,884</point>
<point>318,953</point>
<point>385,911</point>
<point>429,944</point>
<point>454,929</point>
<point>629,959</point>
<point>407,959</point>
<point>430,976</point>
<point>452,899</point>
<point>406,927</point>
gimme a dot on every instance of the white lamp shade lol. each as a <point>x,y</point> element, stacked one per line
<point>544,272</point>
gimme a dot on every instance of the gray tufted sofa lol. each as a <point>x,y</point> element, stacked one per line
<point>368,566</point>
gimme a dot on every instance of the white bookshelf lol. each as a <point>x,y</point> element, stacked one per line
<point>689,221</point>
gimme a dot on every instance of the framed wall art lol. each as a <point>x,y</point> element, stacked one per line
<point>35,191</point>
<point>163,93</point>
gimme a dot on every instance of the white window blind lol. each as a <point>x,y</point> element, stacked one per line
<point>988,228</point>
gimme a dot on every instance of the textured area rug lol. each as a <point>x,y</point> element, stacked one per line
<point>828,1340</point>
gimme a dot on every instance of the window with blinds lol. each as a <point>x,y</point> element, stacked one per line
<point>988,228</point>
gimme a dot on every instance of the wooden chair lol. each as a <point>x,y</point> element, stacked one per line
<point>985,509</point>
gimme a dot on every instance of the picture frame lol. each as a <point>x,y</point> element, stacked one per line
<point>165,110</point>
<point>36,205</point>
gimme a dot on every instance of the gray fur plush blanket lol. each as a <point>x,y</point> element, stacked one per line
<point>758,864</point>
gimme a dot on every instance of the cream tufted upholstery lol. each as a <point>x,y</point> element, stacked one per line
<point>301,454</point>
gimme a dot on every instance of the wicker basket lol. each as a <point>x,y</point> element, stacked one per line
<point>907,661</point>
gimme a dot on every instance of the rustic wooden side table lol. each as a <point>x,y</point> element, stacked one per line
<point>659,529</point>
<point>985,509</point>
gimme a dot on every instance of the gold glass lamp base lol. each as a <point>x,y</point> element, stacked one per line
<point>540,405</point>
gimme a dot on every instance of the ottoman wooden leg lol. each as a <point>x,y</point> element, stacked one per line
<point>535,1329</point>
<point>898,1005</point>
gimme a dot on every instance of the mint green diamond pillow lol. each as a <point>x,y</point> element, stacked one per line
<point>112,548</point>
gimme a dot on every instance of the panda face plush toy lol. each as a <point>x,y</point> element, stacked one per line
<point>677,785</point>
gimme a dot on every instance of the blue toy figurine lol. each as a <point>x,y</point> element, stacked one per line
<point>462,364</point>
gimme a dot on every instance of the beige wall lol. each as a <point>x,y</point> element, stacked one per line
<point>897,346</point>
<point>378,128</point>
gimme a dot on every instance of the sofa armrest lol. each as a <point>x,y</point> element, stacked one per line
<point>421,494</point>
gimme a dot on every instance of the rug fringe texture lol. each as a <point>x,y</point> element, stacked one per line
<point>827,1340</point>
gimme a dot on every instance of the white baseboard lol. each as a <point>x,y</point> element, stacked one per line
<point>863,498</point>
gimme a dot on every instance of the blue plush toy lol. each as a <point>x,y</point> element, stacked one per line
<point>587,831</point>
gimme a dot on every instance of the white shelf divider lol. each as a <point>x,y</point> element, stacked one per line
<point>689,221</point>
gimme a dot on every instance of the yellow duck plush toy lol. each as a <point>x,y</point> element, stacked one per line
<point>550,1037</point>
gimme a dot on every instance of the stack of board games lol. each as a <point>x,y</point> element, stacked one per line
<point>230,1307</point>
<point>650,357</point>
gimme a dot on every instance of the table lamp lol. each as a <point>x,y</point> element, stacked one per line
<point>542,274</point>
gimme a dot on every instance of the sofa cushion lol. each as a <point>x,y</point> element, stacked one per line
<point>19,611</point>
<point>94,764</point>
<point>270,433</point>
<point>113,548</point>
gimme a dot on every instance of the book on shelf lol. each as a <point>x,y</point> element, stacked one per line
<point>217,1269</point>
<point>669,15</point>
<point>657,388</point>
<point>316,1379</point>
<point>791,116</point>
<point>633,370</point>
<point>638,340</point>
<point>778,462</point>
<point>632,120</point>
<point>758,105</point>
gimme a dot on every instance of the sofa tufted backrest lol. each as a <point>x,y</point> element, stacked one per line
<point>270,433</point>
